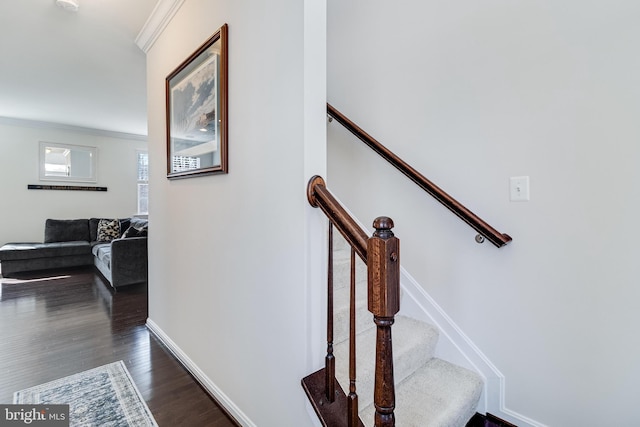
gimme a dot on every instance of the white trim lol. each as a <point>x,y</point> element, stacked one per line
<point>156,23</point>
<point>453,346</point>
<point>205,381</point>
<point>12,121</point>
<point>456,347</point>
<point>91,152</point>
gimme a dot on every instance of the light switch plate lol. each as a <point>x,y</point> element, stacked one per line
<point>519,189</point>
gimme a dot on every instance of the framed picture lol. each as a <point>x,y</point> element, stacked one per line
<point>197,122</point>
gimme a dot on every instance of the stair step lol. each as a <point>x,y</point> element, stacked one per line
<point>341,298</point>
<point>439,394</point>
<point>342,263</point>
<point>430,392</point>
<point>333,414</point>
<point>364,319</point>
<point>342,270</point>
<point>413,346</point>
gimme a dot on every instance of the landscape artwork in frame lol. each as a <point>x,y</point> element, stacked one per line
<point>196,94</point>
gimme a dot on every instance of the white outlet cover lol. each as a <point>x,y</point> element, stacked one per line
<point>519,189</point>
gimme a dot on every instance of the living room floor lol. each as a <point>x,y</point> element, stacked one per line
<point>55,324</point>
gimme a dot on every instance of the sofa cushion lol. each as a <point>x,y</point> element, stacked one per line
<point>20,251</point>
<point>108,229</point>
<point>66,230</point>
<point>102,251</point>
<point>93,229</point>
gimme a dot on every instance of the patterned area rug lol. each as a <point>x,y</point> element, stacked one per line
<point>104,396</point>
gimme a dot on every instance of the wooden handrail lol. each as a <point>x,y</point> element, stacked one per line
<point>320,197</point>
<point>490,233</point>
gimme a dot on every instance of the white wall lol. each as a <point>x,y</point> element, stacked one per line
<point>472,93</point>
<point>24,212</point>
<point>229,253</point>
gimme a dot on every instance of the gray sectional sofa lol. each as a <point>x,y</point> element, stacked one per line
<point>121,256</point>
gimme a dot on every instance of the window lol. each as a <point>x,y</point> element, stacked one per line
<point>65,162</point>
<point>143,182</point>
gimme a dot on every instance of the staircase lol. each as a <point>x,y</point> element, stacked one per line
<point>430,392</point>
<point>373,352</point>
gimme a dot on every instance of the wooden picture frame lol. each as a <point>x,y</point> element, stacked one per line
<point>196,107</point>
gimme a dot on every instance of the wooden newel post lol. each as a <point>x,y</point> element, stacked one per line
<point>383,265</point>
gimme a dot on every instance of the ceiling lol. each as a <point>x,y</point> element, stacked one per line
<point>74,68</point>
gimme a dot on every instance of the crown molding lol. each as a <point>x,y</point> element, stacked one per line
<point>70,128</point>
<point>157,22</point>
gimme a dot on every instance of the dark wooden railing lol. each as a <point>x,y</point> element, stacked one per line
<point>381,254</point>
<point>320,197</point>
<point>488,232</point>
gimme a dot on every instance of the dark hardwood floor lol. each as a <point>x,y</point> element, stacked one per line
<point>59,323</point>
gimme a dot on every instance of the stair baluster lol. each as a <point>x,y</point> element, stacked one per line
<point>383,269</point>
<point>353,418</point>
<point>330,360</point>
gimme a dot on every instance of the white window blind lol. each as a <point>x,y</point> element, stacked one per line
<point>143,182</point>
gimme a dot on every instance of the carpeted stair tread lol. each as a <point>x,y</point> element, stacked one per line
<point>413,345</point>
<point>439,394</point>
<point>364,319</point>
<point>430,392</point>
<point>342,263</point>
<point>342,272</point>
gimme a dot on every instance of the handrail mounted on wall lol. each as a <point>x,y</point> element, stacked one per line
<point>488,232</point>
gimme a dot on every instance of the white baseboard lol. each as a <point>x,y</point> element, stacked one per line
<point>205,381</point>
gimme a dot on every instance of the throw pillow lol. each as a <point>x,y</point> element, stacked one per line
<point>124,225</point>
<point>135,232</point>
<point>108,229</point>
